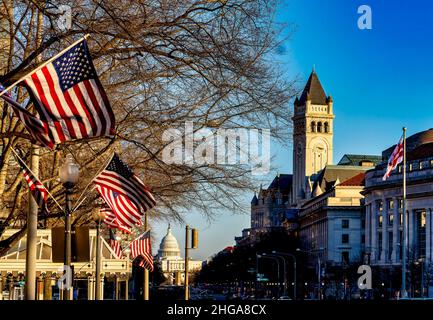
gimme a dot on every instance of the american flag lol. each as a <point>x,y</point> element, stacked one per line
<point>141,247</point>
<point>69,98</point>
<point>124,192</point>
<point>111,221</point>
<point>37,189</point>
<point>395,159</point>
<point>115,245</point>
<point>34,125</point>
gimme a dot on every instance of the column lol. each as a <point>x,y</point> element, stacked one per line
<point>90,287</point>
<point>368,228</point>
<point>40,287</point>
<point>48,288</point>
<point>411,237</point>
<point>127,287</point>
<point>395,233</point>
<point>427,235</point>
<point>1,286</point>
<point>102,287</point>
<point>384,253</point>
<point>116,279</point>
<point>374,246</point>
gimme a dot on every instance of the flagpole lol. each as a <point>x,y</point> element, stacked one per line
<point>78,203</point>
<point>405,226</point>
<point>22,161</point>
<point>44,64</point>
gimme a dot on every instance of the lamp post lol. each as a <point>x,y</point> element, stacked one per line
<point>294,269</point>
<point>68,174</point>
<point>98,217</point>
<point>319,270</point>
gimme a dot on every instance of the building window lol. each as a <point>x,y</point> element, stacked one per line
<point>421,233</point>
<point>411,167</point>
<point>390,244</point>
<point>379,221</point>
<point>345,257</point>
<point>345,238</point>
<point>326,127</point>
<point>390,219</point>
<point>423,165</point>
<point>345,224</point>
<point>319,126</point>
<point>379,205</point>
<point>431,163</point>
<point>363,238</point>
<point>313,126</point>
<point>390,204</point>
<point>400,204</point>
<point>379,240</point>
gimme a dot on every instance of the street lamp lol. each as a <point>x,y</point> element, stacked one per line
<point>294,269</point>
<point>68,174</point>
<point>98,217</point>
<point>319,269</point>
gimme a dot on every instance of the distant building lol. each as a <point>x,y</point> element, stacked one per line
<point>383,201</point>
<point>271,210</point>
<point>172,264</point>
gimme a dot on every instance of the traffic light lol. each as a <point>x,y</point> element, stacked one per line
<point>194,239</point>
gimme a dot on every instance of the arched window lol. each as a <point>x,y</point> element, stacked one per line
<point>319,126</point>
<point>326,127</point>
<point>313,126</point>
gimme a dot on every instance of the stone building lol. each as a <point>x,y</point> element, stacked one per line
<point>383,201</point>
<point>115,279</point>
<point>171,262</point>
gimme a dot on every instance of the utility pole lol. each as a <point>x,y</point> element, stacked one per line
<point>32,213</point>
<point>146,271</point>
<point>186,262</point>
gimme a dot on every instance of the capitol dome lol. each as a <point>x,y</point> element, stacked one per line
<point>169,248</point>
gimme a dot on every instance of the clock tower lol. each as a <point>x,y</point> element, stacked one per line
<point>312,136</point>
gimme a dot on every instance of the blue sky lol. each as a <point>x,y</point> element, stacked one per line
<point>380,81</point>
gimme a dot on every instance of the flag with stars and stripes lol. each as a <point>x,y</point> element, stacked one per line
<point>395,159</point>
<point>33,124</point>
<point>36,187</point>
<point>124,192</point>
<point>141,248</point>
<point>111,221</point>
<point>115,245</point>
<point>69,97</point>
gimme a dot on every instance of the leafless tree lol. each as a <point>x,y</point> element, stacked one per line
<point>162,63</point>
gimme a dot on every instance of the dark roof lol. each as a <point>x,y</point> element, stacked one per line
<point>357,180</point>
<point>418,146</point>
<point>283,182</point>
<point>327,177</point>
<point>314,90</point>
<point>355,159</point>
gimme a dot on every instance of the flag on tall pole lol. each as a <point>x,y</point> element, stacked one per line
<point>395,159</point>
<point>115,245</point>
<point>141,247</point>
<point>39,192</point>
<point>69,98</point>
<point>33,124</point>
<point>111,221</point>
<point>405,224</point>
<point>126,195</point>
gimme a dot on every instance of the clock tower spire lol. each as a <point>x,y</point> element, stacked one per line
<point>312,135</point>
